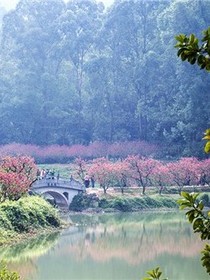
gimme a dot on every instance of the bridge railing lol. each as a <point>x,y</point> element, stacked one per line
<point>64,183</point>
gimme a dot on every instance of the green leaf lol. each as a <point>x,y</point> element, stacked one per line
<point>155,274</point>
<point>192,60</point>
<point>194,195</point>
<point>191,217</point>
<point>200,59</point>
<point>207,132</point>
<point>207,147</point>
<point>184,205</point>
<point>151,273</point>
<point>188,197</point>
<point>159,273</point>
<point>185,194</point>
<point>181,38</point>
<point>181,200</point>
<point>198,223</point>
<point>201,205</point>
<point>181,50</point>
<point>183,56</point>
<point>192,38</point>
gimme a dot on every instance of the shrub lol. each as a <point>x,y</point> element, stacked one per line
<point>41,211</point>
<point>140,203</point>
<point>168,202</point>
<point>18,218</point>
<point>82,202</point>
<point>104,203</point>
<point>28,213</point>
<point>4,221</point>
<point>76,204</point>
<point>122,204</point>
<point>152,203</point>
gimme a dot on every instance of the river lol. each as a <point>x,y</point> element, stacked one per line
<point>112,247</point>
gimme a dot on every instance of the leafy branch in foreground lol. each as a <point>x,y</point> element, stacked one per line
<point>154,274</point>
<point>191,50</point>
<point>5,274</point>
<point>200,221</point>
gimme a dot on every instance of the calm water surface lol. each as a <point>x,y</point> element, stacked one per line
<point>114,247</point>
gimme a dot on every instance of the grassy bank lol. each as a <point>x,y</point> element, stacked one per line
<point>26,217</point>
<point>91,202</point>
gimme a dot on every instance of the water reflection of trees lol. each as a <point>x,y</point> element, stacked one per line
<point>120,218</point>
<point>20,256</point>
<point>136,239</point>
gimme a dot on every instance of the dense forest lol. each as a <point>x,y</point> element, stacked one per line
<point>77,72</point>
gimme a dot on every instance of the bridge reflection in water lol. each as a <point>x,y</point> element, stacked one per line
<point>62,190</point>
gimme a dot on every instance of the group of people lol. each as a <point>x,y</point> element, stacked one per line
<point>47,174</point>
<point>89,181</point>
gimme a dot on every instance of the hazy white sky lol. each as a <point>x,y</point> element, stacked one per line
<point>10,4</point>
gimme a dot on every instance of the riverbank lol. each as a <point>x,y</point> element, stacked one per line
<point>26,218</point>
<point>132,200</point>
<point>95,201</point>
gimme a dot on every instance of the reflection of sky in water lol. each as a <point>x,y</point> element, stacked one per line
<point>122,247</point>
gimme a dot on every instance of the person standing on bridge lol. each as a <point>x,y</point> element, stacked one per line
<point>43,174</point>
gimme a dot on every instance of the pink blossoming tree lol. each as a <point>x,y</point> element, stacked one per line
<point>141,170</point>
<point>16,176</point>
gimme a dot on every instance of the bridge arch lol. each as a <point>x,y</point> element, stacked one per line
<point>66,195</point>
<point>62,191</point>
<point>60,199</point>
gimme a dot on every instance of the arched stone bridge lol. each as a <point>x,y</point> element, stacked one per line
<point>62,191</point>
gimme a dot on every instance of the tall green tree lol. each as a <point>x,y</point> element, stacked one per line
<point>27,41</point>
<point>78,29</point>
<point>188,119</point>
<point>126,44</point>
